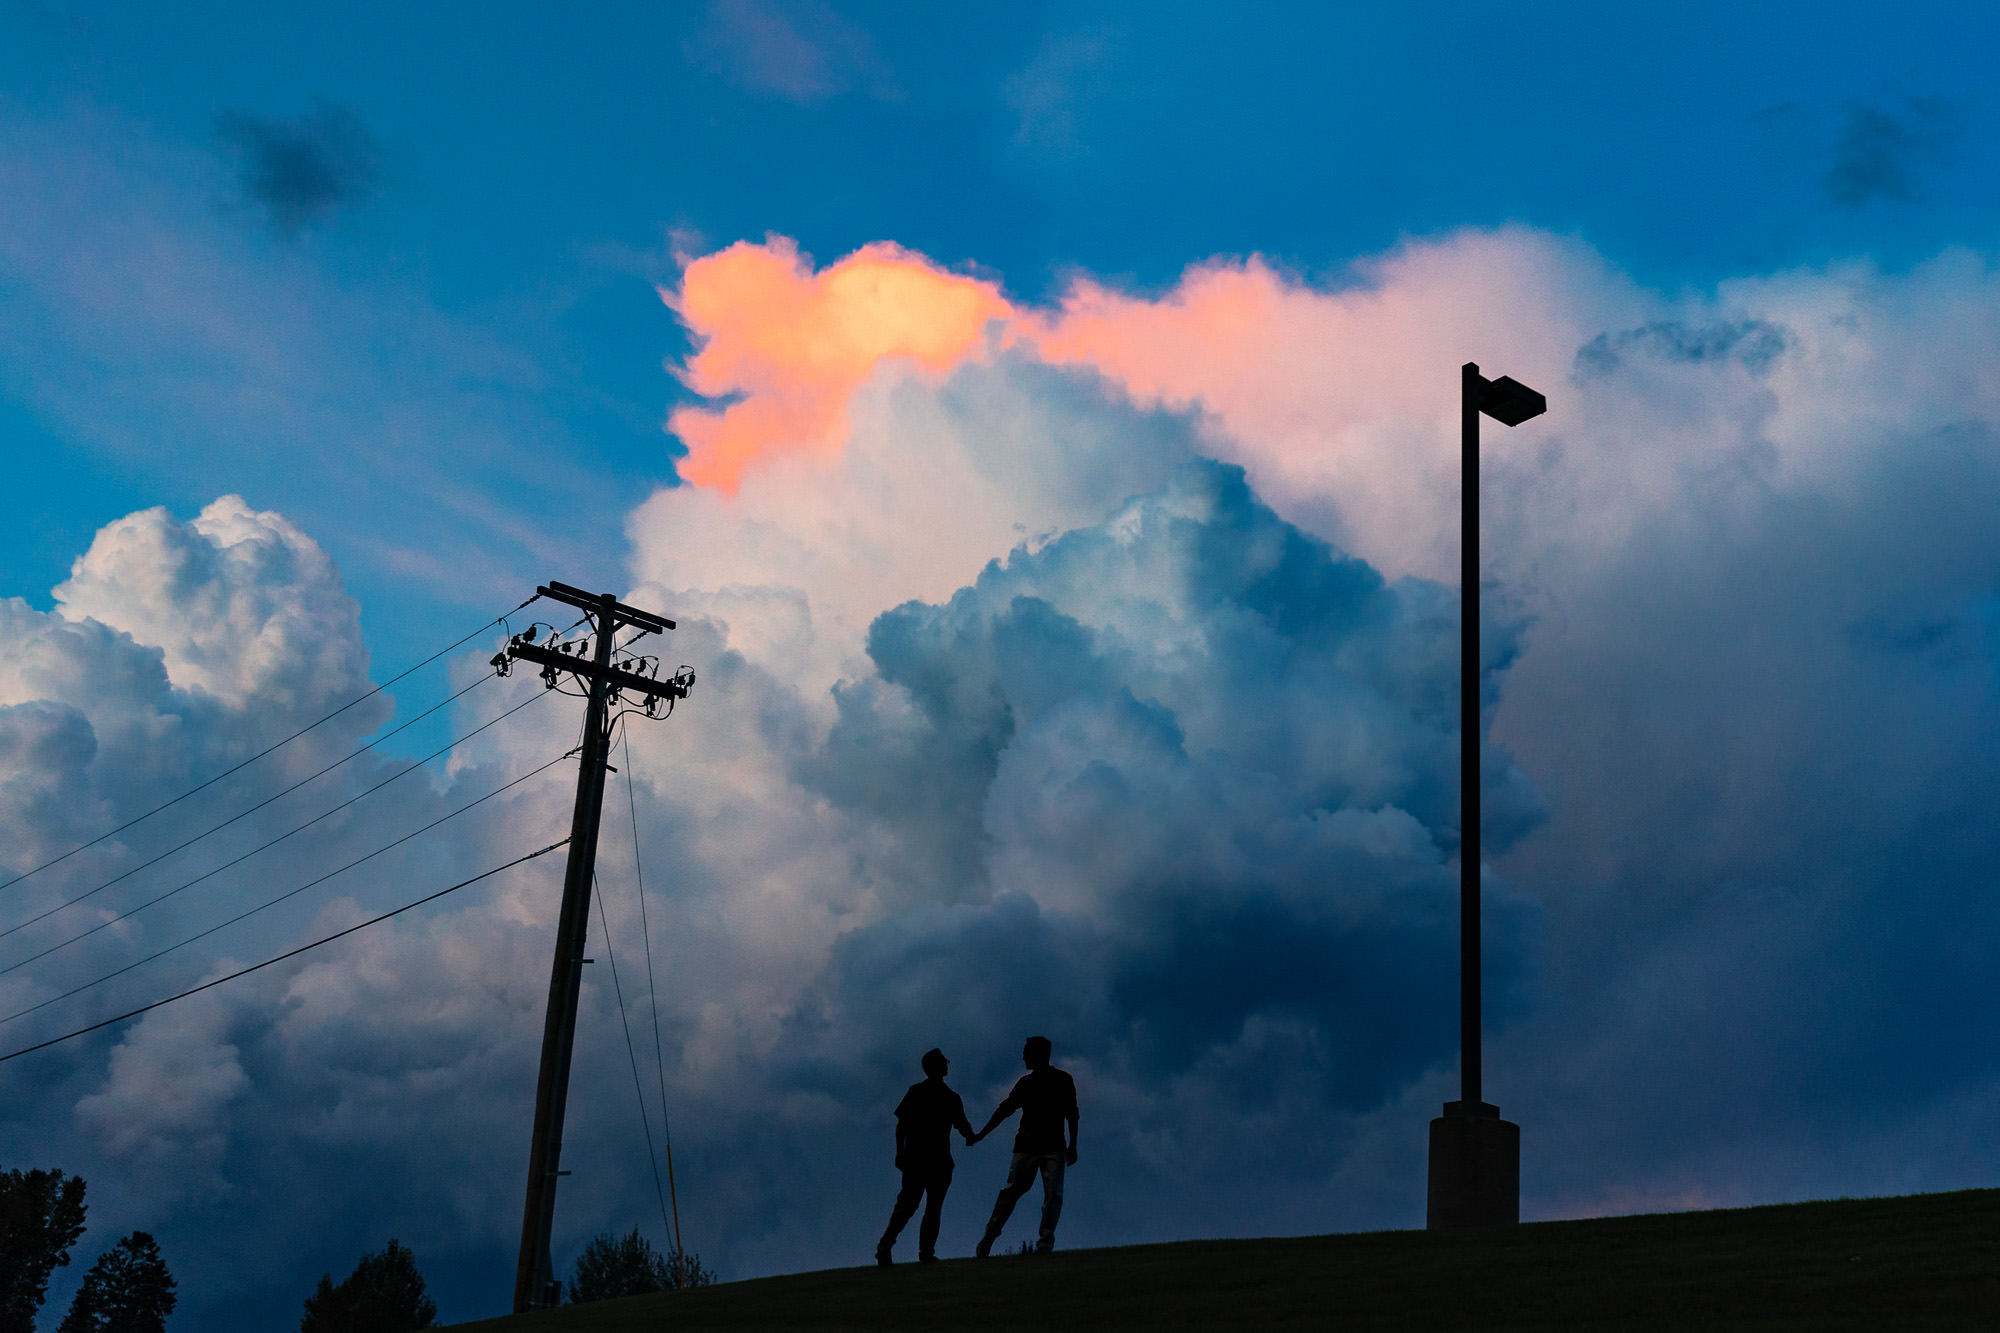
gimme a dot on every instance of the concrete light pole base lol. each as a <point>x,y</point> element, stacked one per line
<point>1475,1168</point>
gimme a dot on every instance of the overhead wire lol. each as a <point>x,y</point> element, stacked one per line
<point>274,746</point>
<point>78,990</point>
<point>652,994</point>
<point>268,962</point>
<point>631,1052</point>
<point>206,833</point>
<point>412,767</point>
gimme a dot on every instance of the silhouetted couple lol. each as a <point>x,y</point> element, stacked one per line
<point>1046,1098</point>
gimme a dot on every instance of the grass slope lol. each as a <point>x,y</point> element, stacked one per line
<point>1922,1262</point>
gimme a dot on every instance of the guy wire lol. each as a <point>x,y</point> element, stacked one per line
<point>652,996</point>
<point>638,1090</point>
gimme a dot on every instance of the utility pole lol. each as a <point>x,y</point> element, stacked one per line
<point>591,664</point>
<point>1475,1165</point>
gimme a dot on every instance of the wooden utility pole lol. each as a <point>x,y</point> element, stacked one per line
<point>592,665</point>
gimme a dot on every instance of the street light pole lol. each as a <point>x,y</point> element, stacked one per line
<point>1470,384</point>
<point>1475,1162</point>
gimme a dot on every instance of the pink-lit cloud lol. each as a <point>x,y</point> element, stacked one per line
<point>1340,402</point>
<point>795,344</point>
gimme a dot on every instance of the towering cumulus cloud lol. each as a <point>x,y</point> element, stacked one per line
<point>1739,581</point>
<point>1091,669</point>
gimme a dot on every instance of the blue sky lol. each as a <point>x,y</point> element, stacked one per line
<point>1075,614</point>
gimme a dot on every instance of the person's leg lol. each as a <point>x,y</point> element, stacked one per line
<point>937,1186</point>
<point>1020,1175</point>
<point>907,1199</point>
<point>1052,1191</point>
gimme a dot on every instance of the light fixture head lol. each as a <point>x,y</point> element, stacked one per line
<point>1510,402</point>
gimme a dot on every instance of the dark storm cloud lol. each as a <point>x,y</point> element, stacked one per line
<point>1223,792</point>
<point>1769,738</point>
<point>301,171</point>
<point>1884,147</point>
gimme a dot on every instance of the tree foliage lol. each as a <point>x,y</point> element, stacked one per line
<point>384,1294</point>
<point>613,1266</point>
<point>128,1290</point>
<point>41,1215</point>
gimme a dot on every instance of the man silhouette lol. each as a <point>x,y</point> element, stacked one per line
<point>925,1118</point>
<point>1046,1098</point>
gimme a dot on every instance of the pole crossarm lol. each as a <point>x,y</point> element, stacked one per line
<point>594,603</point>
<point>617,678</point>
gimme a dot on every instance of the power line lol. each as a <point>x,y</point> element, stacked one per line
<point>244,814</point>
<point>653,996</point>
<point>78,990</point>
<point>413,767</point>
<point>294,953</point>
<point>277,745</point>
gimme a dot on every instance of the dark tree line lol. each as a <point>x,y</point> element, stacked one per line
<point>385,1292</point>
<point>128,1289</point>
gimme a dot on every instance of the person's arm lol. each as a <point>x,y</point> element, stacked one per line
<point>1070,1155</point>
<point>902,1142</point>
<point>964,1127</point>
<point>1000,1112</point>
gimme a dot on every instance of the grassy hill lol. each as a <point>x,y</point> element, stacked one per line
<point>1922,1262</point>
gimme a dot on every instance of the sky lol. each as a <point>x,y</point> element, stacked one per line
<point>1040,420</point>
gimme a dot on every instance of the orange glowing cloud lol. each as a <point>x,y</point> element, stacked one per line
<point>791,346</point>
<point>1340,403</point>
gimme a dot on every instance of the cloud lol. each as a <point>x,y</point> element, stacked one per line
<point>301,171</point>
<point>1363,456</point>
<point>1036,695</point>
<point>795,345</point>
<point>1174,784</point>
<point>1704,553</point>
<point>168,1093</point>
<point>1043,95</point>
<point>801,50</point>
<point>1755,343</point>
<point>241,603</point>
<point>175,650</point>
<point>1882,148</point>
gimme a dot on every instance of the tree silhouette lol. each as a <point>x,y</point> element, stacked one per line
<point>41,1215</point>
<point>384,1294</point>
<point>613,1266</point>
<point>128,1290</point>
